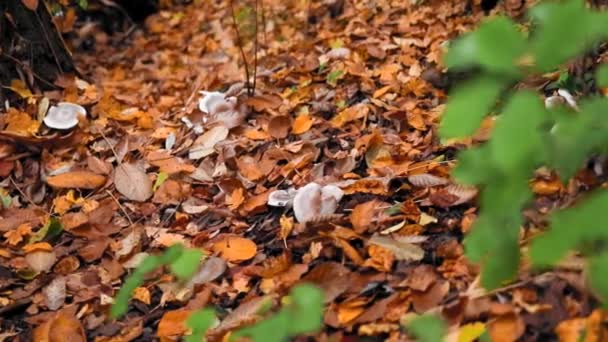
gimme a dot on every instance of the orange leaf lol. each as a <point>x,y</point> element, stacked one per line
<point>301,124</point>
<point>234,248</point>
<point>362,216</point>
<point>40,246</point>
<point>31,4</point>
<point>64,326</point>
<point>350,114</point>
<point>77,179</point>
<point>172,324</point>
<point>235,199</point>
<point>168,163</point>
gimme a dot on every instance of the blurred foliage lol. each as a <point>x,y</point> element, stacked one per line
<point>527,136</point>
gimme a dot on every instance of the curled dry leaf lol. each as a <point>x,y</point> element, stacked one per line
<point>234,248</point>
<point>424,180</point>
<point>54,293</point>
<point>77,180</point>
<point>64,116</point>
<point>128,244</point>
<point>132,182</point>
<point>464,193</point>
<point>403,248</point>
<point>205,144</point>
<point>314,200</point>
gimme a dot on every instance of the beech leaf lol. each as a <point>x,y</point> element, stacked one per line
<point>132,182</point>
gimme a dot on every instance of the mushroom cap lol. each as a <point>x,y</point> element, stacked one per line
<point>64,115</point>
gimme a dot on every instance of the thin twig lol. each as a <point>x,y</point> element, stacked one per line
<point>124,211</point>
<point>239,42</point>
<point>255,47</point>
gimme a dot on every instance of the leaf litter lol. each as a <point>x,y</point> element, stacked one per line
<point>330,173</point>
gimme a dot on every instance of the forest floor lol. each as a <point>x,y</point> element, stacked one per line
<point>347,98</point>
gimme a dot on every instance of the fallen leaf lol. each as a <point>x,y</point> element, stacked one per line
<point>302,124</point>
<point>77,180</point>
<point>55,293</point>
<point>264,102</point>
<point>279,126</point>
<point>402,248</point>
<point>173,324</point>
<point>234,248</point>
<point>30,4</point>
<point>205,144</point>
<point>132,182</point>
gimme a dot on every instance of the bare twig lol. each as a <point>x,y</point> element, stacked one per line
<point>239,42</point>
<point>255,47</point>
<point>124,211</point>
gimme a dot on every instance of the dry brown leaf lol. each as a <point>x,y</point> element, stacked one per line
<point>168,163</point>
<point>30,4</point>
<point>205,144</point>
<point>363,215</point>
<point>424,180</point>
<point>279,126</point>
<point>234,248</point>
<point>402,248</point>
<point>132,182</point>
<point>77,180</point>
<point>55,292</point>
<point>508,327</point>
<point>263,102</point>
<point>63,326</point>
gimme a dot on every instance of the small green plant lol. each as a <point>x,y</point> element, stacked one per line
<point>301,313</point>
<point>527,136</point>
<point>183,262</point>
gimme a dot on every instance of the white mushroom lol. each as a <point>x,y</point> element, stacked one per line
<point>64,115</point>
<point>313,201</point>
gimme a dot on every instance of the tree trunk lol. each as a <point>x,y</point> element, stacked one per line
<point>31,48</point>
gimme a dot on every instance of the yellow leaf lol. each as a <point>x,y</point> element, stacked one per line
<point>471,332</point>
<point>21,123</point>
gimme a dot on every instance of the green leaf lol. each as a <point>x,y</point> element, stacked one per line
<point>50,230</point>
<point>468,104</point>
<point>187,263</point>
<point>556,40</point>
<point>427,328</point>
<point>84,4</point>
<point>480,47</point>
<point>149,264</point>
<point>584,222</point>
<point>601,76</point>
<point>306,310</point>
<point>334,76</point>
<point>160,179</point>
<point>301,315</point>
<point>517,144</point>
<point>200,321</point>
